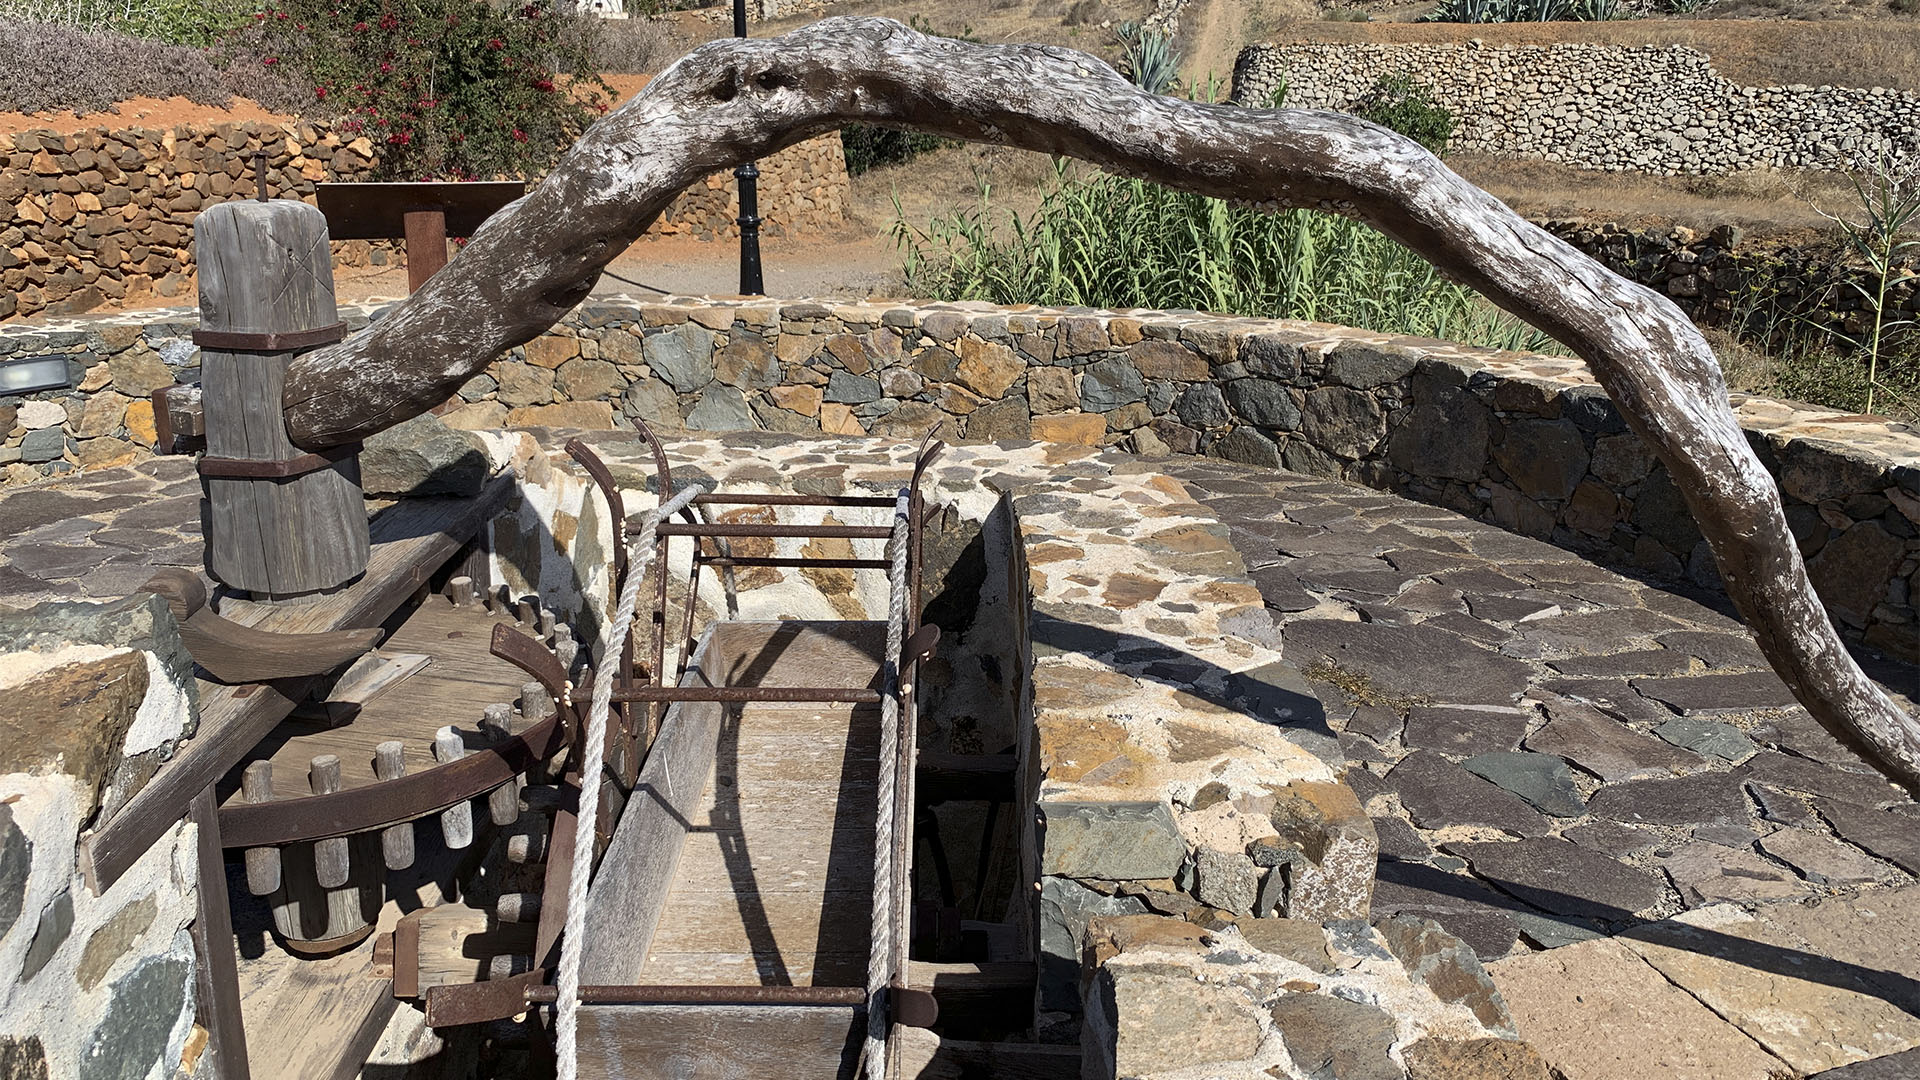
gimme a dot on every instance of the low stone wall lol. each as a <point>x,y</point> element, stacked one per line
<point>1637,109</point>
<point>93,984</point>
<point>1526,441</point>
<point>1717,279</point>
<point>107,214</point>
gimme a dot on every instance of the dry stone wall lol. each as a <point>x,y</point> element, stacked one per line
<point>1525,441</point>
<point>106,214</point>
<point>1643,109</point>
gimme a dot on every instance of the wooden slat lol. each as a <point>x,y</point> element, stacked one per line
<point>411,540</point>
<point>923,1055</point>
<point>217,979</point>
<point>625,908</point>
<point>707,1042</point>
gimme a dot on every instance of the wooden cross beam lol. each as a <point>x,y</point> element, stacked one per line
<point>424,214</point>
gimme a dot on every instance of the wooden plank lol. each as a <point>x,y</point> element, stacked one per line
<point>314,1019</point>
<point>216,979</point>
<point>997,996</point>
<point>708,1042</point>
<point>624,907</point>
<point>923,1055</point>
<point>801,968</point>
<point>265,268</point>
<point>411,540</point>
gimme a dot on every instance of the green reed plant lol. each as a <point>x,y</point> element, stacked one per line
<point>1887,208</point>
<point>1108,241</point>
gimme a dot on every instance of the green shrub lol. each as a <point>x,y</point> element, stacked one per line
<point>177,22</point>
<point>444,88</point>
<point>1108,241</point>
<point>868,147</point>
<point>1399,103</point>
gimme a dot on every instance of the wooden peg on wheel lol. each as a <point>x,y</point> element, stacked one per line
<point>456,821</point>
<point>396,841</point>
<point>263,863</point>
<point>331,859</point>
<point>503,802</point>
<point>460,591</point>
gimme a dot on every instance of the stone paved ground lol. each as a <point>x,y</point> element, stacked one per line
<point>98,535</point>
<point>1559,761</point>
<point>1554,754</point>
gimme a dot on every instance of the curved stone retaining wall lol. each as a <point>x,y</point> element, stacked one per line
<point>107,213</point>
<point>1525,441</point>
<point>1638,109</point>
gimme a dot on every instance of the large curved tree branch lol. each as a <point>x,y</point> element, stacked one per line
<point>732,101</point>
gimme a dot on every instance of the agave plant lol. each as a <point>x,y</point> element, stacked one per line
<point>1147,58</point>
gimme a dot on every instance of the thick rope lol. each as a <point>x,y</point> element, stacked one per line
<point>880,961</point>
<point>592,761</point>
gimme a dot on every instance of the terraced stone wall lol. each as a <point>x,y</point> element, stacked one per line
<point>1525,441</point>
<point>106,214</point>
<point>1646,109</point>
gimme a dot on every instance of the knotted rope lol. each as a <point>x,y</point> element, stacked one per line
<point>592,761</point>
<point>880,960</point>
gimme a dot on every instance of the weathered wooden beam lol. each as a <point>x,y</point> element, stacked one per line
<point>735,100</point>
<point>280,522</point>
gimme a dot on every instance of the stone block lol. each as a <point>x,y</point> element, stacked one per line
<point>1264,402</point>
<point>1107,384</point>
<point>721,408</point>
<point>1113,841</point>
<point>1444,435</point>
<point>1168,360</point>
<point>1142,1022</point>
<point>1333,1037</point>
<point>422,456</point>
<point>1345,423</point>
<point>1330,876</point>
<point>587,380</point>
<point>1083,429</point>
<point>987,368</point>
<point>1446,966</point>
<point>1227,880</point>
<point>1066,906</point>
<point>580,415</point>
<point>1545,459</point>
<point>1051,390</point>
<point>1573,1004</point>
<point>682,357</point>
<point>551,350</point>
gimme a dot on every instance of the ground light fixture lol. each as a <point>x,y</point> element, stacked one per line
<point>751,282</point>
<point>34,374</point>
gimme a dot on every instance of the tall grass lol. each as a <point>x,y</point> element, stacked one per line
<point>1108,241</point>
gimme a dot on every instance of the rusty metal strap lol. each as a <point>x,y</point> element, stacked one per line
<point>254,341</point>
<point>249,469</point>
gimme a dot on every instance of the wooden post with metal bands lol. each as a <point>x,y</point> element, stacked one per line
<point>281,523</point>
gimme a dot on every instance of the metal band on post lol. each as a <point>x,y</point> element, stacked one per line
<point>250,341</point>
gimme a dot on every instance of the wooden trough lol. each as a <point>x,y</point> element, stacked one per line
<point>733,939</point>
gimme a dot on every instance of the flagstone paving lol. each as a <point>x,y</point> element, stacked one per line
<point>1600,786</point>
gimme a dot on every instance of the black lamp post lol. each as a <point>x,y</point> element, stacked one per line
<point>751,283</point>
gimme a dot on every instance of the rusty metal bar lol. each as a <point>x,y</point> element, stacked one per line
<point>796,532</point>
<point>793,500</point>
<point>735,694</point>
<point>705,995</point>
<point>831,564</point>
